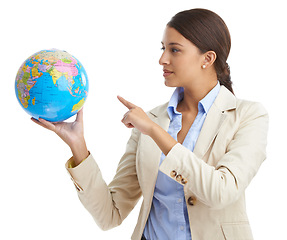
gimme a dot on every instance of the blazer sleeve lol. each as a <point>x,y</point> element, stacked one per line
<point>108,204</point>
<point>223,184</point>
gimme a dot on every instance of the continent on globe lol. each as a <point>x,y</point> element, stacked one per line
<point>52,84</point>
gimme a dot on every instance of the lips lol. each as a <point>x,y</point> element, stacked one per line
<point>167,73</point>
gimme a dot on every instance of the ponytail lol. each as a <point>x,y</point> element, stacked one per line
<point>224,78</point>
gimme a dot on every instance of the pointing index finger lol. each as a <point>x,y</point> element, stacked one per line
<point>128,104</point>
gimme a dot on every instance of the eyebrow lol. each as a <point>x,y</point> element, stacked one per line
<point>173,43</point>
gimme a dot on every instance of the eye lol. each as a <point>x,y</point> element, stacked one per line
<point>163,48</point>
<point>175,50</point>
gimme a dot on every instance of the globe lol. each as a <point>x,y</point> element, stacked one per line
<point>52,84</point>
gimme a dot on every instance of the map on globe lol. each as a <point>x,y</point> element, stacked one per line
<point>52,84</point>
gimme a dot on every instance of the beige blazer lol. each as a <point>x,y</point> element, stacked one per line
<point>227,155</point>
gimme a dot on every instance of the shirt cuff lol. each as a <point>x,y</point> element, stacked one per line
<point>71,162</point>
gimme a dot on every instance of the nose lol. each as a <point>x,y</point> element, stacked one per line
<point>164,59</point>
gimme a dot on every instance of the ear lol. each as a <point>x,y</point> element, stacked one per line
<point>209,58</point>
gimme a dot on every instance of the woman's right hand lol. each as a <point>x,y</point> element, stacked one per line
<point>72,133</point>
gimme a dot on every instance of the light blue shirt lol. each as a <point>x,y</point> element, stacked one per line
<point>168,218</point>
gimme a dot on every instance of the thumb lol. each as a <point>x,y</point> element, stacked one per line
<point>80,116</point>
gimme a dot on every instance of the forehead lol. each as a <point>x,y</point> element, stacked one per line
<point>170,35</point>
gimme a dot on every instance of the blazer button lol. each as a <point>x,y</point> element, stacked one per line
<point>173,173</point>
<point>178,178</point>
<point>191,201</point>
<point>183,181</point>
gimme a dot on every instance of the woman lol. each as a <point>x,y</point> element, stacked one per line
<point>192,158</point>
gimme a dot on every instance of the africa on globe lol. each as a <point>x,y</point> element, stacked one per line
<point>52,84</point>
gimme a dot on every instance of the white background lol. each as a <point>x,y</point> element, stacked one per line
<point>118,42</point>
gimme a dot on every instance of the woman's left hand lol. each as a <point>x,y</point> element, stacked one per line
<point>136,118</point>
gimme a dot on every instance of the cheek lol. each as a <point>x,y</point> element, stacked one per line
<point>192,61</point>
<point>187,67</point>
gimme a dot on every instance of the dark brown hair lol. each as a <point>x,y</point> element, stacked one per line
<point>208,32</point>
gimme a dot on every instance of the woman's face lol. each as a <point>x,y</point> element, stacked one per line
<point>181,60</point>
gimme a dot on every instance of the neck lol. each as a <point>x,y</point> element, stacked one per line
<point>193,94</point>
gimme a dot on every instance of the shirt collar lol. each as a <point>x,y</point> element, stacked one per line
<point>203,105</point>
<point>208,100</point>
<point>176,97</point>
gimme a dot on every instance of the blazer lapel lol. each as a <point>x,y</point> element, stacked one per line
<point>210,128</point>
<point>149,153</point>
<point>214,120</point>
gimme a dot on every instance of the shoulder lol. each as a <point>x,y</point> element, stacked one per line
<point>249,114</point>
<point>226,101</point>
<point>250,108</point>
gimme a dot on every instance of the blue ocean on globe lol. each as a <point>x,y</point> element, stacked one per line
<point>52,84</point>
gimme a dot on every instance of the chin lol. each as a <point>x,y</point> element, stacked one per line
<point>170,83</point>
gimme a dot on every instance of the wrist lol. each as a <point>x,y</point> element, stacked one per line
<point>80,151</point>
